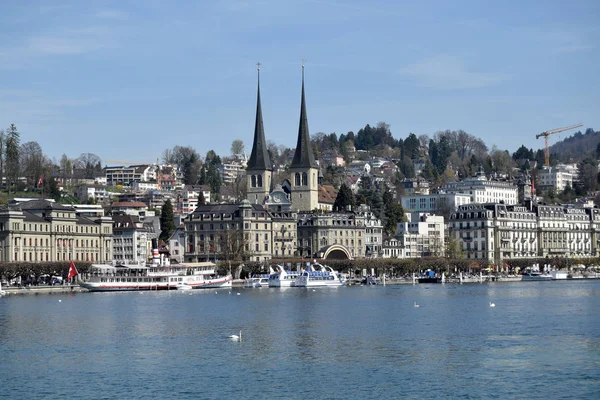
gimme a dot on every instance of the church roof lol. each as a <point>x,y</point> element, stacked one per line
<point>303,156</point>
<point>259,158</point>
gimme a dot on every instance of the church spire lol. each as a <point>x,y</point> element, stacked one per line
<point>303,156</point>
<point>259,158</point>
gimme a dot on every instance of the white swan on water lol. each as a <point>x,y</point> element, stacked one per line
<point>236,337</point>
<point>415,305</point>
<point>492,304</point>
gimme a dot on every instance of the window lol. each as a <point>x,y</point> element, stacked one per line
<point>304,179</point>
<point>260,182</point>
<point>297,179</point>
<point>253,181</point>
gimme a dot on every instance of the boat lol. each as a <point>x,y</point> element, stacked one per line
<point>283,278</point>
<point>559,275</point>
<point>536,276</point>
<point>319,276</point>
<point>370,280</point>
<point>107,278</point>
<point>429,277</point>
<point>257,281</point>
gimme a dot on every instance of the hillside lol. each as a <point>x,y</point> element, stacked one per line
<point>576,147</point>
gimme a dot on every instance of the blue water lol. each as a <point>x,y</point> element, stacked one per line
<point>541,341</point>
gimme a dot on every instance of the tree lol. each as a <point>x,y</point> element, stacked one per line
<point>187,160</point>
<point>237,147</point>
<point>167,222</point>
<point>66,167</point>
<point>588,174</point>
<point>344,198</point>
<point>394,213</point>
<point>88,164</point>
<point>453,248</point>
<point>13,169</point>
<point>32,162</point>
<point>234,248</point>
<point>2,146</point>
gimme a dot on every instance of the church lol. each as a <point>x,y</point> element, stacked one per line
<point>304,170</point>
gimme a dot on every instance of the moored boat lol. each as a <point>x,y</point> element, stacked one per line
<point>106,278</point>
<point>536,276</point>
<point>257,281</point>
<point>283,278</point>
<point>319,276</point>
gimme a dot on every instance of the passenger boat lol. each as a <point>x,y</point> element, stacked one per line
<point>106,278</point>
<point>319,276</point>
<point>283,278</point>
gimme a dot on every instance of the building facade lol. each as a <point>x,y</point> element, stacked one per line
<point>422,235</point>
<point>434,203</point>
<point>483,190</point>
<point>498,232</point>
<point>130,241</point>
<point>243,232</point>
<point>41,231</point>
<point>318,234</point>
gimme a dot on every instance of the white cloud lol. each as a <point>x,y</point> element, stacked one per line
<point>450,72</point>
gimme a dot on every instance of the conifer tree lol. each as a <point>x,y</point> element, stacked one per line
<point>167,224</point>
<point>344,198</point>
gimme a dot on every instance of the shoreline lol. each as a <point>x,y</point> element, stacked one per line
<point>239,284</point>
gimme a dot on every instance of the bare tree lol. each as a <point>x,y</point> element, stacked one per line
<point>235,249</point>
<point>88,164</point>
<point>32,161</point>
<point>237,147</point>
<point>240,188</point>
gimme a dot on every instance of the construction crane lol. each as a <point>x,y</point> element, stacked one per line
<point>550,132</point>
<point>125,162</point>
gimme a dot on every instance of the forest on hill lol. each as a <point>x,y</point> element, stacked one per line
<point>577,147</point>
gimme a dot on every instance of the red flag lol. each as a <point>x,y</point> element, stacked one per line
<point>72,271</point>
<point>40,181</point>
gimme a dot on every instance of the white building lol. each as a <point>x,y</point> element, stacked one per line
<point>177,244</point>
<point>422,235</point>
<point>483,190</point>
<point>373,231</point>
<point>125,175</point>
<point>97,193</point>
<point>130,240</point>
<point>499,232</point>
<point>231,170</point>
<point>144,186</point>
<point>434,203</point>
<point>556,178</point>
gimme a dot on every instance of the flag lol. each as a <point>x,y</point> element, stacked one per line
<point>72,271</point>
<point>40,181</point>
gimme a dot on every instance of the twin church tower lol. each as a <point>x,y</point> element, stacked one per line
<point>304,170</point>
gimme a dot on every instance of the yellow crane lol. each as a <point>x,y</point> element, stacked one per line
<point>550,132</point>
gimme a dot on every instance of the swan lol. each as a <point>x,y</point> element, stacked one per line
<point>415,305</point>
<point>236,337</point>
<point>238,294</point>
<point>492,304</point>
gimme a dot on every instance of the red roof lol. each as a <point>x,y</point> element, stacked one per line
<point>327,194</point>
<point>130,204</point>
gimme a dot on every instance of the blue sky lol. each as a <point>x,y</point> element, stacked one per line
<point>128,79</point>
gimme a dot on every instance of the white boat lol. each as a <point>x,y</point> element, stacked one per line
<point>257,281</point>
<point>283,278</point>
<point>536,276</point>
<point>319,276</point>
<point>106,278</point>
<point>559,275</point>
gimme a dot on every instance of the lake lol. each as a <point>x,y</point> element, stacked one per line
<point>540,341</point>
